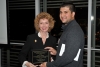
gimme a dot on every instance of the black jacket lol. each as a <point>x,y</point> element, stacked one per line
<point>35,42</point>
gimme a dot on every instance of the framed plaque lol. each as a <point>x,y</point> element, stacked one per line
<point>40,55</point>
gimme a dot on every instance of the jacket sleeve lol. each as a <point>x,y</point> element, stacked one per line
<point>24,51</point>
<point>55,47</point>
<point>72,41</point>
<point>55,43</point>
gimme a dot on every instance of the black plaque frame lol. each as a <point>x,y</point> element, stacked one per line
<point>40,55</point>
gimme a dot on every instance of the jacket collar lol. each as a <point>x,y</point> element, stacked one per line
<point>40,35</point>
<point>64,26</point>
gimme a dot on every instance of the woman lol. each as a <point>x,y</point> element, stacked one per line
<point>43,23</point>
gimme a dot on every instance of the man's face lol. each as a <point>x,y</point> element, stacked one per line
<point>66,15</point>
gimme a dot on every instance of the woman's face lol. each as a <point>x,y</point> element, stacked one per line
<point>44,25</point>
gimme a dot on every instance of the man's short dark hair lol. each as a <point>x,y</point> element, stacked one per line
<point>70,5</point>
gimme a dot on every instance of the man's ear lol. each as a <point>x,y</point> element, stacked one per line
<point>73,14</point>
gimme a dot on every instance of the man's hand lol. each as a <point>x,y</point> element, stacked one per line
<point>52,50</point>
<point>43,64</point>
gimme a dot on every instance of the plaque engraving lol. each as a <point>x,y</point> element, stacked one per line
<point>40,55</point>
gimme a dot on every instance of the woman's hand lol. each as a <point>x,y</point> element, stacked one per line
<point>52,50</point>
<point>43,64</point>
<point>28,64</point>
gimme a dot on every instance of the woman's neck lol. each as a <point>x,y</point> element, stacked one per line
<point>43,34</point>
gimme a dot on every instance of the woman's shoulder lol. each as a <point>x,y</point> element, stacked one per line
<point>52,37</point>
<point>32,35</point>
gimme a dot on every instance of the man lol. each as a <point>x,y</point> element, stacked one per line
<point>71,44</point>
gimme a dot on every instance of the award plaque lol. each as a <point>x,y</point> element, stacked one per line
<point>40,55</point>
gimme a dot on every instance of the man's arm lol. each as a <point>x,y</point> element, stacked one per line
<point>72,43</point>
